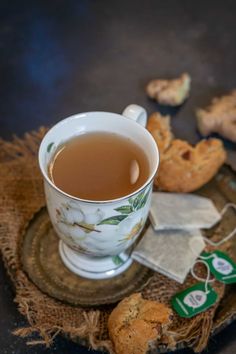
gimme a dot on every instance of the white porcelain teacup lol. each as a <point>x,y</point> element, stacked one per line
<point>95,235</point>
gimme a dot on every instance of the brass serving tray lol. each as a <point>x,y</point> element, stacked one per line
<point>42,262</point>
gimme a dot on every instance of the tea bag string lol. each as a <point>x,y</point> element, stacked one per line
<point>212,243</point>
<point>226,207</point>
<point>207,280</point>
<point>229,236</point>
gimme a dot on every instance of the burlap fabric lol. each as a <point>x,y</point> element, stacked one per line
<point>21,196</point>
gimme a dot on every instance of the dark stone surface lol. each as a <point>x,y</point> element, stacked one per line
<point>63,57</point>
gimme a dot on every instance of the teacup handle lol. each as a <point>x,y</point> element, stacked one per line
<point>137,113</point>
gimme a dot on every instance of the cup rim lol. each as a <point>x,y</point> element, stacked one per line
<point>76,116</point>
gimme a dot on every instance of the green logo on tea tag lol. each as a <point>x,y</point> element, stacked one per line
<point>194,300</point>
<point>221,266</point>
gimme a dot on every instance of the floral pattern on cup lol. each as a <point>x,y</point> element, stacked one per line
<point>73,216</point>
<point>49,147</point>
<point>76,225</point>
<point>133,205</point>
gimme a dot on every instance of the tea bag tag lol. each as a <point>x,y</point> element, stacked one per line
<point>177,211</point>
<point>194,300</point>
<point>221,266</point>
<point>197,298</point>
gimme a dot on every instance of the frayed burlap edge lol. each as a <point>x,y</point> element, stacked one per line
<point>22,196</point>
<point>15,217</point>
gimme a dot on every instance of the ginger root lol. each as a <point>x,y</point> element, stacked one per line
<point>170,92</point>
<point>219,117</point>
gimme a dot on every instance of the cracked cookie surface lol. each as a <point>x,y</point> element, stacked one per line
<point>185,168</point>
<point>135,322</point>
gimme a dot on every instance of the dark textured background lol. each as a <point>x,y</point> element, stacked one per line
<point>63,57</point>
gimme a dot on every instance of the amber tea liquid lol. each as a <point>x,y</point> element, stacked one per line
<point>99,166</point>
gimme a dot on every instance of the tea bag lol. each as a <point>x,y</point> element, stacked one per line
<point>182,211</point>
<point>169,252</point>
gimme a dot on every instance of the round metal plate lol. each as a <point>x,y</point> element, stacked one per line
<point>42,262</point>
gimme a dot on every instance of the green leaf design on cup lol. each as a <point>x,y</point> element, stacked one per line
<point>143,201</point>
<point>117,260</point>
<point>138,200</point>
<point>131,200</point>
<point>125,209</point>
<point>86,227</point>
<point>49,147</point>
<point>113,220</point>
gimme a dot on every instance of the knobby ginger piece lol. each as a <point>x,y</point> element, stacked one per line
<point>170,92</point>
<point>219,117</point>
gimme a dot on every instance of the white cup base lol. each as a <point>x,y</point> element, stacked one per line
<point>94,267</point>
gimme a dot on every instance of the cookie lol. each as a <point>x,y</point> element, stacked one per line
<point>159,127</point>
<point>219,117</point>
<point>169,92</point>
<point>135,322</point>
<point>185,168</point>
